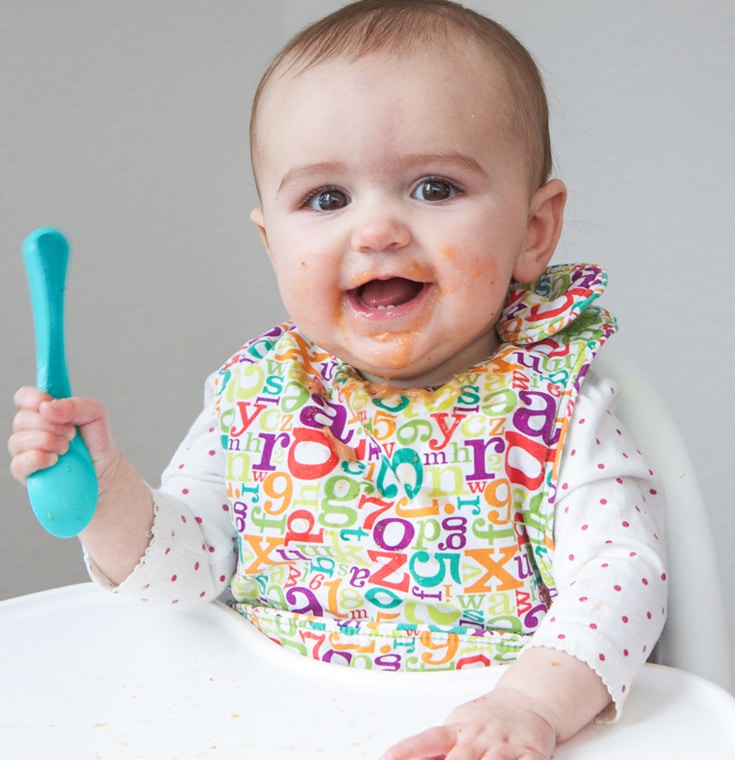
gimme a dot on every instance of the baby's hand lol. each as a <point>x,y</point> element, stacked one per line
<point>501,725</point>
<point>119,533</point>
<point>542,699</point>
<point>43,427</point>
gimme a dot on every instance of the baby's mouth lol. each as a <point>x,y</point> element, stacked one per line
<point>387,294</point>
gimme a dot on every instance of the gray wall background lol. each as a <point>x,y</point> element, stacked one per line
<point>125,125</point>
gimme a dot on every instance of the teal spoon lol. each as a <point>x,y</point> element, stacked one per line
<point>64,496</point>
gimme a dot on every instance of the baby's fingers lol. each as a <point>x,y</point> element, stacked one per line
<point>432,744</point>
<point>27,421</point>
<point>25,463</point>
<point>33,414</point>
<point>36,442</point>
<point>30,398</point>
<point>62,412</point>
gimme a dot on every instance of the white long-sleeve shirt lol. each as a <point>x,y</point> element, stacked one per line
<point>608,558</point>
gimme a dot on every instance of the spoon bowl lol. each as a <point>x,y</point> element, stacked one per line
<point>64,497</point>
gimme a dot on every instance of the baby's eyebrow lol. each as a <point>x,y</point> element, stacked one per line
<point>461,160</point>
<point>310,171</point>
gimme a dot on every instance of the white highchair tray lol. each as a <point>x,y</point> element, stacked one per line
<point>86,674</point>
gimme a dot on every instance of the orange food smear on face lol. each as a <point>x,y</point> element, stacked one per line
<point>403,340</point>
<point>361,279</point>
<point>338,319</point>
<point>416,272</point>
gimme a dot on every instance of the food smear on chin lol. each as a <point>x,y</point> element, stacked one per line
<point>387,294</point>
<point>398,352</point>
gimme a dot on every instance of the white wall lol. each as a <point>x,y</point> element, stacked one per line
<point>124,124</point>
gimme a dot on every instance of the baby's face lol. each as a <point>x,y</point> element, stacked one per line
<point>395,210</point>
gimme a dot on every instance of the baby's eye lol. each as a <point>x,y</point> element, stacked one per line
<point>329,199</point>
<point>434,190</point>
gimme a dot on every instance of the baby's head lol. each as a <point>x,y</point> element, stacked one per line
<point>401,153</point>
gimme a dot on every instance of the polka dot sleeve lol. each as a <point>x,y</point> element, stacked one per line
<point>609,553</point>
<point>192,553</point>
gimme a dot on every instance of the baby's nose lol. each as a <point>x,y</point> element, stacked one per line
<point>380,232</point>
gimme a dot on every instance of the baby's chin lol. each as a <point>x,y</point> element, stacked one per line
<point>412,363</point>
<point>395,358</point>
<point>391,362</point>
<point>404,376</point>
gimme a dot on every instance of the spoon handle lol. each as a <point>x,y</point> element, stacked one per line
<point>46,255</point>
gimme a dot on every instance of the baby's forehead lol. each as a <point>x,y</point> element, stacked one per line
<point>475,66</point>
<point>482,73</point>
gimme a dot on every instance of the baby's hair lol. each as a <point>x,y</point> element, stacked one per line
<point>399,27</point>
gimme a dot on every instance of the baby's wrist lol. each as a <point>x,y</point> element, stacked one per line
<point>523,700</point>
<point>563,689</point>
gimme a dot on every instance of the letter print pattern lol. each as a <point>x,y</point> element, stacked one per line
<point>404,529</point>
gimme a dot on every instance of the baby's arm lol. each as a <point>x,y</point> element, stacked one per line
<point>609,557</point>
<point>118,534</point>
<point>192,553</point>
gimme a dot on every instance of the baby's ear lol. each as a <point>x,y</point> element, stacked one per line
<point>258,219</point>
<point>545,219</point>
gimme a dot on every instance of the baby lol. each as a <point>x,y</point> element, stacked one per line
<point>417,471</point>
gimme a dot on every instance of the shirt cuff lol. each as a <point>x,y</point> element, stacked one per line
<point>177,566</point>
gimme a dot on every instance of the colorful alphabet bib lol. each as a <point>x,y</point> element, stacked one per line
<point>406,529</point>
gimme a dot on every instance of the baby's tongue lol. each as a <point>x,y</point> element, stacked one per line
<point>382,294</point>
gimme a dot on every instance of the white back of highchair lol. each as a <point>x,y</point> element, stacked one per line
<point>695,635</point>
